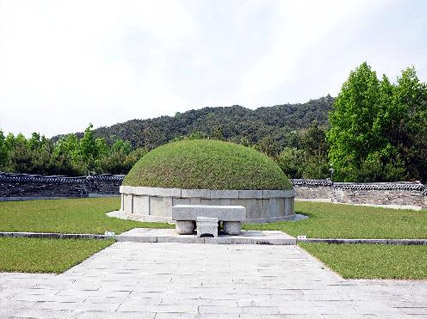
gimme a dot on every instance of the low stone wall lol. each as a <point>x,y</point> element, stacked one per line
<point>155,204</point>
<point>412,195</point>
<point>27,186</point>
<point>105,184</point>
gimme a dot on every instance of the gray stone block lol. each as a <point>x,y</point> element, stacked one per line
<point>181,201</point>
<point>141,205</point>
<point>200,193</point>
<point>250,193</point>
<point>185,227</point>
<point>225,202</point>
<point>160,206</point>
<point>126,189</point>
<point>210,202</point>
<point>273,208</point>
<point>195,201</point>
<point>289,207</point>
<point>224,194</point>
<point>143,191</point>
<point>173,192</point>
<point>207,226</point>
<point>253,207</point>
<point>273,193</point>
<point>223,213</point>
<point>232,228</point>
<point>128,203</point>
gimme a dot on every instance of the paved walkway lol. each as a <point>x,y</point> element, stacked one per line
<point>171,280</point>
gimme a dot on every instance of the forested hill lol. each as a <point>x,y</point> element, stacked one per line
<point>234,123</point>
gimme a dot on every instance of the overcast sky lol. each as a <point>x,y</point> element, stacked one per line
<point>64,64</point>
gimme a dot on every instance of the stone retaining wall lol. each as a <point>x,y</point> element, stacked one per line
<point>155,204</point>
<point>412,195</point>
<point>105,184</point>
<point>27,186</point>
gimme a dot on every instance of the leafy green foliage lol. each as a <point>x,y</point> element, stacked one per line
<point>291,160</point>
<point>268,146</point>
<point>207,164</point>
<point>310,160</point>
<point>360,261</point>
<point>347,221</point>
<point>408,132</point>
<point>75,216</point>
<point>46,255</point>
<point>378,129</point>
<point>69,155</point>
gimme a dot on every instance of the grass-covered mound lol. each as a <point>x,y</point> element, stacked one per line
<point>206,164</point>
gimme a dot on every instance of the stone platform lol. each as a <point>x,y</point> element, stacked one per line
<point>149,235</point>
<point>178,281</point>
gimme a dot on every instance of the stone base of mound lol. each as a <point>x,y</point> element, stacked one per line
<point>155,204</point>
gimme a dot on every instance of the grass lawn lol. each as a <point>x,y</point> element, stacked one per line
<point>67,216</point>
<point>372,261</point>
<point>328,220</point>
<point>46,255</point>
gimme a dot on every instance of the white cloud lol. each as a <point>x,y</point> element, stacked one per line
<point>66,63</point>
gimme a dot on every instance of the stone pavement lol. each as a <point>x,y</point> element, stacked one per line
<point>172,280</point>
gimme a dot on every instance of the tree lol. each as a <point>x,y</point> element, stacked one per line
<point>268,146</point>
<point>4,152</point>
<point>359,121</point>
<point>291,161</point>
<point>313,141</point>
<point>409,130</point>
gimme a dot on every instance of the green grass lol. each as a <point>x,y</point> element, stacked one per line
<point>46,255</point>
<point>372,261</point>
<point>67,216</point>
<point>346,221</point>
<point>207,164</point>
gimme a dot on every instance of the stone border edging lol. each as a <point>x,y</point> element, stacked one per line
<point>218,240</point>
<point>53,235</point>
<point>364,241</point>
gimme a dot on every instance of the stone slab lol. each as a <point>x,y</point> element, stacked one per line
<point>250,194</point>
<point>223,213</point>
<point>172,280</point>
<point>170,236</point>
<point>198,193</point>
<point>224,194</point>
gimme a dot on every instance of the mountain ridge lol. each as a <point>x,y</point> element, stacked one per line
<point>234,123</point>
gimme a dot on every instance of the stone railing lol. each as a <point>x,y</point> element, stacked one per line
<point>28,186</point>
<point>410,194</point>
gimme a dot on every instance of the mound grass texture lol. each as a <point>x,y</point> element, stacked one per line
<point>46,255</point>
<point>360,261</point>
<point>206,164</point>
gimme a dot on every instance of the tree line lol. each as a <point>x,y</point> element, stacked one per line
<point>70,155</point>
<point>375,130</point>
<point>236,124</point>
